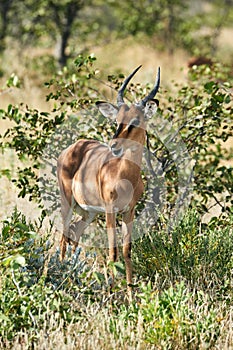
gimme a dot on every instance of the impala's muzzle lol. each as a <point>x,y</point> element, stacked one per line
<point>120,146</point>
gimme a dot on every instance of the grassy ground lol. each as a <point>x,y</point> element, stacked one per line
<point>182,292</point>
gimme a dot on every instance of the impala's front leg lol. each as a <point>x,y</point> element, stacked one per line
<point>127,226</point>
<point>112,242</point>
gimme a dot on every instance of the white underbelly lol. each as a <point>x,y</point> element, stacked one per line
<point>98,209</point>
<point>92,208</point>
<point>87,197</point>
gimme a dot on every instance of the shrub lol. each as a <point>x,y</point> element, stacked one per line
<point>192,251</point>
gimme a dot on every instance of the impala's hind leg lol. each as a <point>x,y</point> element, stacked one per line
<point>73,232</point>
<point>63,245</point>
<point>66,213</point>
<point>76,229</point>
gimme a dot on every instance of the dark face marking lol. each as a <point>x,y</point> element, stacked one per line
<point>133,124</point>
<point>130,128</point>
<point>117,133</point>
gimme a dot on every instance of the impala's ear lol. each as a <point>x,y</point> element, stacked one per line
<point>107,109</point>
<point>151,108</point>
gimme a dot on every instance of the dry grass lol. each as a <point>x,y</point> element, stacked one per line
<point>101,330</point>
<point>128,54</point>
<point>93,333</point>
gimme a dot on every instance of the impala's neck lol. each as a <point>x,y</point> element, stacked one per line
<point>132,157</point>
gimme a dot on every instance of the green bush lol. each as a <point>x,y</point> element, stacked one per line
<point>33,286</point>
<point>197,120</point>
<point>192,251</point>
<point>171,318</point>
<point>187,299</point>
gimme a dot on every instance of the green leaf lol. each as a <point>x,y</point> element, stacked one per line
<point>119,267</point>
<point>18,260</point>
<point>99,277</point>
<point>14,261</point>
<point>22,226</point>
<point>4,318</point>
<point>228,99</point>
<point>13,81</point>
<point>209,87</point>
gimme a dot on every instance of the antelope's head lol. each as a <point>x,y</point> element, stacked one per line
<point>131,120</point>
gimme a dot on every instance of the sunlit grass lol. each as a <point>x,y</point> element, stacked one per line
<point>49,304</point>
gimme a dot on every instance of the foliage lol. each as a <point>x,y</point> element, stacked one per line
<point>30,297</point>
<point>28,139</point>
<point>198,253</point>
<point>169,318</point>
<point>30,20</point>
<point>69,25</point>
<point>46,300</point>
<point>169,23</point>
<point>200,114</point>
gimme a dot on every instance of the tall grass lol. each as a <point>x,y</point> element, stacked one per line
<point>199,253</point>
<point>185,303</point>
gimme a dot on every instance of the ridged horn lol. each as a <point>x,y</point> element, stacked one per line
<point>154,91</point>
<point>120,96</point>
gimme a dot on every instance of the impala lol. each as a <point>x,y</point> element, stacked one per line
<point>97,178</point>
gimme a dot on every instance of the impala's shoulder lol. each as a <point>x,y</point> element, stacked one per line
<point>79,148</point>
<point>84,145</point>
<point>85,142</point>
<point>81,144</point>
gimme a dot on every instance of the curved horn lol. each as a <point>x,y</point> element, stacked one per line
<point>154,91</point>
<point>120,99</point>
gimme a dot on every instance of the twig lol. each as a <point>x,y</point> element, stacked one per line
<point>6,91</point>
